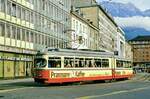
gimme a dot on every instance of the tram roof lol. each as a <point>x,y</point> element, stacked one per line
<point>81,53</point>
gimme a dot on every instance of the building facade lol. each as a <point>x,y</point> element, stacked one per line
<point>121,43</point>
<point>85,34</point>
<point>141,51</point>
<point>27,26</point>
<point>128,52</point>
<point>103,21</point>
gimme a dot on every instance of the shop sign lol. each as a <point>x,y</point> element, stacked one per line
<point>10,58</point>
<point>29,51</point>
<point>2,48</point>
<point>11,49</point>
<point>26,59</point>
<point>18,58</point>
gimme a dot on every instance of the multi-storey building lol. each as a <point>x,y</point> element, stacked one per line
<point>128,52</point>
<point>102,20</point>
<point>141,50</point>
<point>120,43</point>
<point>27,26</point>
<point>85,34</point>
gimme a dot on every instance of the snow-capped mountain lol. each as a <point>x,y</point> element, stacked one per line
<point>126,11</point>
<point>132,32</point>
<point>146,12</point>
<point>120,9</point>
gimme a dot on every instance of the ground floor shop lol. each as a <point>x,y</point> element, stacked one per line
<point>15,65</point>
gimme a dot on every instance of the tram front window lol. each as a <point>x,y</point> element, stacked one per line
<point>40,62</point>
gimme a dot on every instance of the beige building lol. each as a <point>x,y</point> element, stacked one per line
<point>141,51</point>
<point>85,34</point>
<point>98,17</point>
<point>128,52</point>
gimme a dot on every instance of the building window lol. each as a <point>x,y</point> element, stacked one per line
<point>43,4</point>
<point>2,29</point>
<point>18,34</point>
<point>8,31</point>
<point>18,12</point>
<point>31,36</point>
<point>8,8</point>
<point>76,25</point>
<point>13,10</point>
<point>23,34</point>
<point>2,5</point>
<point>23,14</point>
<point>32,17</point>
<point>27,15</point>
<point>27,36</point>
<point>13,32</point>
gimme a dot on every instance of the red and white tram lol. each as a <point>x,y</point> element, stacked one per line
<point>64,65</point>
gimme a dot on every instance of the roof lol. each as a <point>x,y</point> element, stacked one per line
<point>141,38</point>
<point>75,52</point>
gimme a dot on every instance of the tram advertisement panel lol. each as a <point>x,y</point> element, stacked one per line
<point>80,73</point>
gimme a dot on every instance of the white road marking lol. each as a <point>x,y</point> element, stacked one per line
<point>15,89</point>
<point>114,93</point>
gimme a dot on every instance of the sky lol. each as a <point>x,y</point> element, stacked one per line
<point>141,4</point>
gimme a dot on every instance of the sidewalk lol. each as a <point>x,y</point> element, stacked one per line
<point>142,77</point>
<point>16,80</point>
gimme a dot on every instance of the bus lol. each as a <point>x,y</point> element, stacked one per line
<point>68,65</point>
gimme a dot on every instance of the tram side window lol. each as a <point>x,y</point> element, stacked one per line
<point>68,62</point>
<point>76,62</point>
<point>54,62</point>
<point>105,63</point>
<point>88,63</point>
<point>98,62</point>
<point>119,63</point>
<point>127,64</point>
<point>81,62</point>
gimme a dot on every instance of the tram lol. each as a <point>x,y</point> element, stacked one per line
<point>67,65</point>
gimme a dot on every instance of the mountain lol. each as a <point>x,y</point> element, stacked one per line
<point>146,12</point>
<point>120,9</point>
<point>132,32</point>
<point>125,11</point>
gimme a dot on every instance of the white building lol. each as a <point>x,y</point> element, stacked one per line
<point>120,43</point>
